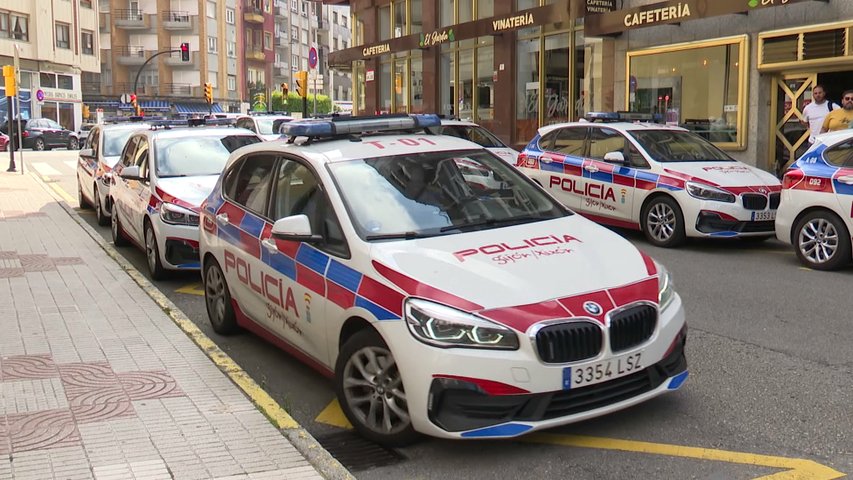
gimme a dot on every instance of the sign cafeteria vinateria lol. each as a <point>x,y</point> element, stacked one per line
<point>673,11</point>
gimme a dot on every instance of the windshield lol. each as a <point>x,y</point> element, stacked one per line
<point>114,140</point>
<point>678,146</point>
<point>472,133</point>
<point>197,155</point>
<point>438,193</point>
<point>265,126</point>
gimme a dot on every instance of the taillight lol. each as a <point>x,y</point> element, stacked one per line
<point>25,134</point>
<point>522,159</point>
<point>792,177</point>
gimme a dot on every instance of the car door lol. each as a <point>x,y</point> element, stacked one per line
<point>88,165</point>
<point>120,189</point>
<point>241,221</point>
<point>610,186</point>
<point>140,191</point>
<point>312,267</point>
<point>563,158</point>
<point>59,134</point>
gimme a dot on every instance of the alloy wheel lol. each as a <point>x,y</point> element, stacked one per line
<point>661,222</point>
<point>214,295</point>
<point>373,389</point>
<point>818,241</point>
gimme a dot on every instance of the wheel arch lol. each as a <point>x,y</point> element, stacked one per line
<point>655,195</point>
<point>351,326</point>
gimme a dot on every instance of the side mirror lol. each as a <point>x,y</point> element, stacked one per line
<point>87,153</point>
<point>296,228</point>
<point>615,157</point>
<point>130,173</point>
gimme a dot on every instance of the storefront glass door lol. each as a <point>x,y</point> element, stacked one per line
<point>791,93</point>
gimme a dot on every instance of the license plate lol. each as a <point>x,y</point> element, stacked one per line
<point>768,215</point>
<point>576,377</point>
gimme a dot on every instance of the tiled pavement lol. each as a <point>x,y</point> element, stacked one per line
<point>96,381</point>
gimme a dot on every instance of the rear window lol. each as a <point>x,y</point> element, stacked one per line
<point>197,155</point>
<point>840,155</point>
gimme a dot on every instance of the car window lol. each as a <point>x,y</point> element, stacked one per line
<point>197,155</point>
<point>570,141</point>
<point>92,140</point>
<point>840,155</point>
<point>636,159</point>
<point>129,153</point>
<point>437,193</point>
<point>546,142</point>
<point>603,141</point>
<point>298,192</point>
<point>264,126</point>
<point>114,140</point>
<point>246,123</point>
<point>51,124</point>
<point>142,157</point>
<point>37,124</point>
<point>678,146</point>
<point>249,185</point>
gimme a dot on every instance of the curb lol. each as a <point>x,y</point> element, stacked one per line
<point>304,442</point>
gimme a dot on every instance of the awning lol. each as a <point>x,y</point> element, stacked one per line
<point>202,108</point>
<point>153,105</point>
<point>108,103</point>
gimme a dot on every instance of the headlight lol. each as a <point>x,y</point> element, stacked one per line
<point>171,213</point>
<point>666,291</point>
<point>443,326</point>
<point>707,192</point>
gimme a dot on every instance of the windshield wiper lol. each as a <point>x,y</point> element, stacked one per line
<point>398,236</point>
<point>491,222</point>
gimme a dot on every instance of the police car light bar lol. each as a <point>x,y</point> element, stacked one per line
<point>191,122</point>
<point>623,117</point>
<point>354,125</point>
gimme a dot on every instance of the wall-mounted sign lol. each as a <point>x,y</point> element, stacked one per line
<point>376,50</point>
<point>52,94</point>
<point>513,22</point>
<point>668,12</point>
<point>368,76</point>
<point>436,37</point>
<point>600,6</point>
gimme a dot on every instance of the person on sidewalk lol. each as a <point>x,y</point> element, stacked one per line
<point>839,119</point>
<point>815,112</point>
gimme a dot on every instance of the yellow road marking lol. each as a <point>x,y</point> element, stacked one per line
<point>62,193</point>
<point>192,289</point>
<point>794,468</point>
<point>334,416</point>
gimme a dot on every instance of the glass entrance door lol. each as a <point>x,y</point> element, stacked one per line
<point>790,137</point>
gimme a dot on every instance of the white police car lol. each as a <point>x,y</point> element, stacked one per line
<point>475,133</point>
<point>438,307</point>
<point>816,214</point>
<point>665,181</point>
<point>162,177</point>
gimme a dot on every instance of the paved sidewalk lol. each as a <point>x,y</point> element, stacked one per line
<point>97,381</point>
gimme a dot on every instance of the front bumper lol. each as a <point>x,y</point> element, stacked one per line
<point>716,224</point>
<point>178,245</point>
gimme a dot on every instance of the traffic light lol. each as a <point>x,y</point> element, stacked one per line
<point>86,111</point>
<point>135,104</point>
<point>302,83</point>
<point>208,92</point>
<point>11,82</point>
<point>185,52</point>
<point>284,90</point>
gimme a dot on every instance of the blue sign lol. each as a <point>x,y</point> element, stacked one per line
<point>40,95</point>
<point>312,57</point>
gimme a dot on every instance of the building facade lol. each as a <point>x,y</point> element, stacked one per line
<point>56,44</point>
<point>737,72</point>
<point>140,41</point>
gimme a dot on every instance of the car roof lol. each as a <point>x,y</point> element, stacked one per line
<point>343,149</point>
<point>831,138</point>
<point>122,126</point>
<point>621,126</point>
<point>466,123</point>
<point>209,131</point>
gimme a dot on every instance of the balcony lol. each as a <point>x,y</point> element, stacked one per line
<point>90,88</point>
<point>253,15</point>
<point>176,20</point>
<point>173,59</point>
<point>130,19</point>
<point>255,53</point>
<point>130,54</point>
<point>176,89</point>
<point>281,10</point>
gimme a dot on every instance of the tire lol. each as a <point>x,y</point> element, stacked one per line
<point>81,200</point>
<point>118,238</point>
<point>38,144</point>
<point>217,299</point>
<point>381,388</point>
<point>102,219</point>
<point>663,222</point>
<point>821,241</point>
<point>73,144</point>
<point>152,254</point>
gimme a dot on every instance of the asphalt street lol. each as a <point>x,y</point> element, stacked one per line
<point>770,387</point>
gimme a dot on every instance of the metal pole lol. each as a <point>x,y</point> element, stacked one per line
<point>152,57</point>
<point>17,111</point>
<point>10,123</point>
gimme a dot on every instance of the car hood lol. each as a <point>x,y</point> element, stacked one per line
<point>507,154</point>
<point>723,174</point>
<point>508,268</point>
<point>188,192</point>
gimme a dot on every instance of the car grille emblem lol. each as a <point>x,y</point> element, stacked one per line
<point>592,308</point>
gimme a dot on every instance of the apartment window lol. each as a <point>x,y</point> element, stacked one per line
<point>18,27</point>
<point>211,45</point>
<point>65,82</point>
<point>232,83</point>
<point>267,41</point>
<point>293,6</point>
<point>63,39</point>
<point>335,43</point>
<point>211,9</point>
<point>304,9</point>
<point>294,62</point>
<point>87,42</point>
<point>86,3</point>
<point>294,32</point>
<point>229,16</point>
<point>343,20</point>
<point>345,44</point>
<point>47,80</point>
<point>335,17</point>
<point>232,49</point>
<point>305,36</point>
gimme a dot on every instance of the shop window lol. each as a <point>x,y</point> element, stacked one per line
<point>66,115</point>
<point>358,86</point>
<point>527,89</point>
<point>465,90</point>
<point>557,94</point>
<point>47,80</point>
<point>464,11</point>
<point>696,86</point>
<point>592,72</point>
<point>401,87</point>
<point>399,18</point>
<point>525,4</point>
<point>446,67</point>
<point>384,23</point>
<point>385,86</point>
<point>49,110</point>
<point>417,77</point>
<point>445,13</point>
<point>485,8</point>
<point>416,22</point>
<point>485,85</point>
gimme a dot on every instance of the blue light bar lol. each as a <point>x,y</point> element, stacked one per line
<point>602,116</point>
<point>353,125</point>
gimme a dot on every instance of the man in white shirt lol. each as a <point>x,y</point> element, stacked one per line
<point>816,111</point>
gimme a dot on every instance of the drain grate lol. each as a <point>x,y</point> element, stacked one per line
<point>357,453</point>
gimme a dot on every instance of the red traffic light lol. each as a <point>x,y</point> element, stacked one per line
<point>132,98</point>
<point>185,52</point>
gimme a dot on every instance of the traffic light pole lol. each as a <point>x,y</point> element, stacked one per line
<point>12,135</point>
<point>152,57</point>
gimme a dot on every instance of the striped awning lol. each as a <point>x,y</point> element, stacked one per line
<point>152,105</point>
<point>191,108</point>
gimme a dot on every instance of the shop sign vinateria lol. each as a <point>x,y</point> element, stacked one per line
<point>673,11</point>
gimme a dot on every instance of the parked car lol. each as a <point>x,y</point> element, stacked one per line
<point>816,214</point>
<point>266,126</point>
<point>162,177</point>
<point>100,153</point>
<point>438,307</point>
<point>40,134</point>
<point>475,133</point>
<point>76,139</point>
<point>4,142</point>
<point>665,181</point>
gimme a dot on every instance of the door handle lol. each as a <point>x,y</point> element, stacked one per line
<point>222,219</point>
<point>846,179</point>
<point>590,168</point>
<point>545,159</point>
<point>269,244</point>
